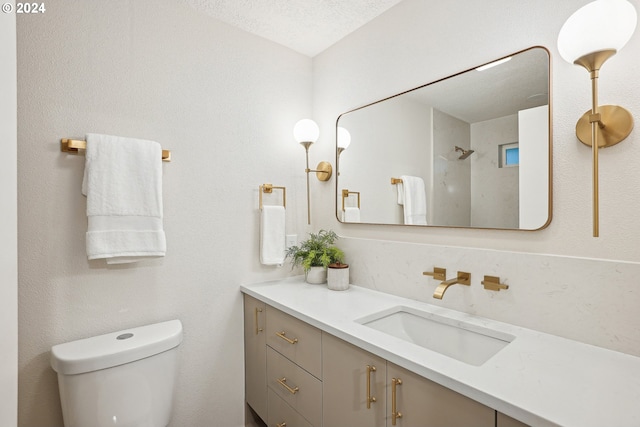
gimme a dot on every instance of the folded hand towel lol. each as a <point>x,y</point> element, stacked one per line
<point>415,200</point>
<point>351,214</point>
<point>272,235</point>
<point>123,185</point>
<point>400,189</point>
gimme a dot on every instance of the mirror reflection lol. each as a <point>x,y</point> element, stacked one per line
<point>470,150</point>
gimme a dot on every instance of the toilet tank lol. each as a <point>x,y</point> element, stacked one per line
<point>122,379</point>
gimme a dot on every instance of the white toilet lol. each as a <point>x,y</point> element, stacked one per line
<point>123,379</point>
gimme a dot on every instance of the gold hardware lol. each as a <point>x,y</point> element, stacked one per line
<point>602,126</point>
<point>268,189</point>
<point>281,425</point>
<point>258,329</point>
<point>345,194</point>
<point>437,273</point>
<point>323,173</point>
<point>370,399</point>
<point>395,181</point>
<point>283,383</point>
<point>462,278</point>
<point>395,414</point>
<point>492,283</point>
<point>74,146</point>
<point>284,337</point>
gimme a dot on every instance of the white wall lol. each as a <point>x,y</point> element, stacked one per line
<point>8,225</point>
<point>418,41</point>
<point>225,103</point>
<point>375,152</point>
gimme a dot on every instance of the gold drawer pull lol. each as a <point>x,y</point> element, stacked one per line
<point>370,399</point>
<point>395,414</point>
<point>283,424</point>
<point>284,337</point>
<point>283,383</point>
<point>258,328</point>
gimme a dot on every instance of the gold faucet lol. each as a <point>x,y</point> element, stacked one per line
<point>463,278</point>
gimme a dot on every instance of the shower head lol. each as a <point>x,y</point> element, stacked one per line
<point>465,153</point>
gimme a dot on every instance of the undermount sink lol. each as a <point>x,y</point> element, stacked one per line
<point>462,341</point>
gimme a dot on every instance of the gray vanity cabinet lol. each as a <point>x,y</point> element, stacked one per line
<point>503,420</point>
<point>345,385</point>
<point>297,375</point>
<point>423,403</point>
<point>255,355</point>
<point>350,381</point>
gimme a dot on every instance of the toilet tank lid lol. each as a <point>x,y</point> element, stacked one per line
<point>116,348</point>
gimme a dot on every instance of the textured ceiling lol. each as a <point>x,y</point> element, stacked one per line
<point>306,26</point>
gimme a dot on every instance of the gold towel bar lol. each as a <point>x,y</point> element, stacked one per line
<point>268,188</point>
<point>395,181</point>
<point>345,194</point>
<point>75,145</point>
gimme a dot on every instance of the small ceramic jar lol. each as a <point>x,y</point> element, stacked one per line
<point>338,277</point>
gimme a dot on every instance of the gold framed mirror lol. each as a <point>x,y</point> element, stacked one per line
<point>470,150</point>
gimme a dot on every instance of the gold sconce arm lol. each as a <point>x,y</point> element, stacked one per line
<point>323,171</point>
<point>602,126</point>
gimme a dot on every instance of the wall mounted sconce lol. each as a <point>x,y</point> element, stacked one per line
<point>590,36</point>
<point>343,139</point>
<point>306,132</point>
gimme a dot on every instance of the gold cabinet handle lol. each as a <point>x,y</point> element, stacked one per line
<point>395,414</point>
<point>284,337</point>
<point>283,383</point>
<point>370,399</point>
<point>258,328</point>
<point>283,424</point>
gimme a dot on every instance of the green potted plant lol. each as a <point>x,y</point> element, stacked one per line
<point>315,254</point>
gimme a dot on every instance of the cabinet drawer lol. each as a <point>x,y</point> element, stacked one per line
<point>295,339</point>
<point>301,390</point>
<point>281,414</point>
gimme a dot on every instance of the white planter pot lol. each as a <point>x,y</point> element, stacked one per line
<point>338,278</point>
<point>316,275</point>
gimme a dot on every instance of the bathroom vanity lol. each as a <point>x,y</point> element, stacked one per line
<point>360,357</point>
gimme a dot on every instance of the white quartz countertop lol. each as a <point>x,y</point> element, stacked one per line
<point>539,379</point>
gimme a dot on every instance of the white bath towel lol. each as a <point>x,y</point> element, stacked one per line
<point>351,214</point>
<point>415,200</point>
<point>272,235</point>
<point>123,185</point>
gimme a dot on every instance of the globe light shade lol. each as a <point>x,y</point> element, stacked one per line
<point>344,138</point>
<point>597,26</point>
<point>306,130</point>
